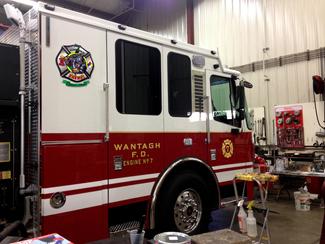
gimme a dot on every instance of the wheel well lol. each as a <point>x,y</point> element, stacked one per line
<point>197,167</point>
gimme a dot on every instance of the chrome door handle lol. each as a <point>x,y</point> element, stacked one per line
<point>206,98</point>
<point>106,90</point>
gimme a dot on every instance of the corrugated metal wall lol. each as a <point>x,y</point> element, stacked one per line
<point>166,18</point>
<point>288,84</point>
<point>240,29</point>
<point>235,27</point>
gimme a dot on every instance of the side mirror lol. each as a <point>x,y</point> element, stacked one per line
<point>240,97</point>
<point>247,84</point>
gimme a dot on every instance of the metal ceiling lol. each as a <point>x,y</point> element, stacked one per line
<point>106,9</point>
<point>113,7</point>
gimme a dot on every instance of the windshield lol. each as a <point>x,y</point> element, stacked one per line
<point>228,103</point>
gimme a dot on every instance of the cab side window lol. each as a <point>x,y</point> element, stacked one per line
<point>138,79</point>
<point>223,102</point>
<point>179,85</point>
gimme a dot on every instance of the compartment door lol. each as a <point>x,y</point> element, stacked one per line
<point>73,125</point>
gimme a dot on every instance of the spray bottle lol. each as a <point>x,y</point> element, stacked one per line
<point>242,217</point>
<point>251,221</point>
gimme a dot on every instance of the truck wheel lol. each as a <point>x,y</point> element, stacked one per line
<point>183,204</point>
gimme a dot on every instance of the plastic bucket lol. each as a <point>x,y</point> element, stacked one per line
<point>302,201</point>
<point>136,238</point>
<point>172,238</point>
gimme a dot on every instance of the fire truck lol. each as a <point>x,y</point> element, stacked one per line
<point>101,123</point>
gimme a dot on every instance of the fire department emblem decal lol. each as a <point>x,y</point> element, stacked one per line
<point>75,65</point>
<point>227,148</point>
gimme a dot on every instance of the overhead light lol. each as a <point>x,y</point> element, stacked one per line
<point>14,15</point>
<point>26,2</point>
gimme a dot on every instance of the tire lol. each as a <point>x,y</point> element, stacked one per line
<point>183,204</point>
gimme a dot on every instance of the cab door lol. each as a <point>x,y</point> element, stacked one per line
<point>136,140</point>
<point>229,147</point>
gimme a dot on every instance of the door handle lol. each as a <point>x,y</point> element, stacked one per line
<point>106,90</point>
<point>207,100</point>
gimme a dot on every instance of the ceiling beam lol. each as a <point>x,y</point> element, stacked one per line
<point>190,21</point>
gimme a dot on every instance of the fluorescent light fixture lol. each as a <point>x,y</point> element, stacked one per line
<point>26,2</point>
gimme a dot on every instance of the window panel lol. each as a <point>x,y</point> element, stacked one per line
<point>223,101</point>
<point>179,85</point>
<point>138,79</point>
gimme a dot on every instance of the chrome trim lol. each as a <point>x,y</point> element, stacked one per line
<point>22,95</point>
<point>162,179</point>
<point>70,142</point>
<point>106,90</point>
<point>36,212</point>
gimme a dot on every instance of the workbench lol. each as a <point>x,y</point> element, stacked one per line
<point>295,179</point>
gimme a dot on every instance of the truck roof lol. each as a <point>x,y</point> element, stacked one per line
<point>47,9</point>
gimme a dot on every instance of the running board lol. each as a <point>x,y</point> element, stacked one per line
<point>119,230</point>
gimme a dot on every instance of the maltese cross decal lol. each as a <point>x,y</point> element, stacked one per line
<point>75,65</point>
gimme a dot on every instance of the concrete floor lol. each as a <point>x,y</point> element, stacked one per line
<point>294,227</point>
<point>287,225</point>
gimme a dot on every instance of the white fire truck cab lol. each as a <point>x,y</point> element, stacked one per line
<point>119,121</point>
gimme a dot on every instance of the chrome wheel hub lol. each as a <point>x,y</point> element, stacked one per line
<point>187,210</point>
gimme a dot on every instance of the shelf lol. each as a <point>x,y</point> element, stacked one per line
<point>298,173</point>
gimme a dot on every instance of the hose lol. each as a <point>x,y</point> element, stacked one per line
<point>317,113</point>
<point>11,228</point>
